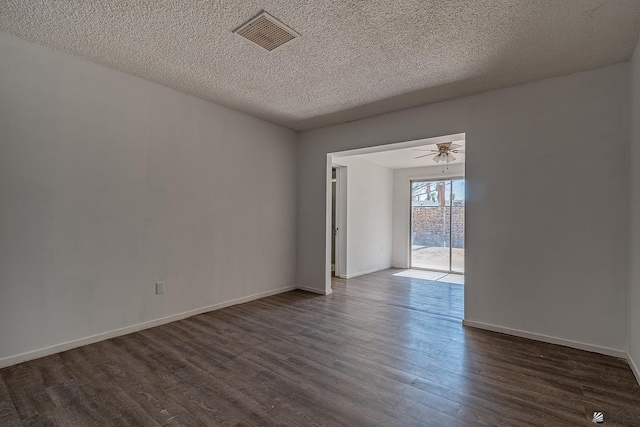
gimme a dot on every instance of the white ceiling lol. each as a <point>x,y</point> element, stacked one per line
<point>354,58</point>
<point>404,158</point>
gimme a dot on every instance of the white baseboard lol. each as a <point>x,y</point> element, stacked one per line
<point>362,273</point>
<point>314,290</point>
<point>549,339</point>
<point>634,367</point>
<point>58,348</point>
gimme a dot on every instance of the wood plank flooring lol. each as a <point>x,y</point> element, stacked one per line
<point>382,350</point>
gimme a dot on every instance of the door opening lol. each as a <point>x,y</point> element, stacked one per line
<point>437,225</point>
<point>338,221</point>
<point>334,222</point>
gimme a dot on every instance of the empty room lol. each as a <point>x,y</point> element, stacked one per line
<point>408,213</point>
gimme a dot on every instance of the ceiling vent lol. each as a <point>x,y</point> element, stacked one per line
<point>266,31</point>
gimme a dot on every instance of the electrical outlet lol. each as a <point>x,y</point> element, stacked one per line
<point>159,288</point>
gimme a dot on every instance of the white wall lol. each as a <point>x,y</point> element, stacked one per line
<point>369,215</point>
<point>634,204</point>
<point>546,209</point>
<point>401,209</point>
<point>109,183</point>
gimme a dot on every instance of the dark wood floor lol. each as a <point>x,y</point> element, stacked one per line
<point>381,350</point>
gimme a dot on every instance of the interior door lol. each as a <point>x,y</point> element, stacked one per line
<point>333,219</point>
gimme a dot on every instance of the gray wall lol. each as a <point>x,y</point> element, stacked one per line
<point>535,156</point>
<point>634,204</point>
<point>109,183</point>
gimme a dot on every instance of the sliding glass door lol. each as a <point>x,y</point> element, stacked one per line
<point>437,225</point>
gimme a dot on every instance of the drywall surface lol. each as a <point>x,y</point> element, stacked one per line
<point>109,183</point>
<point>536,180</point>
<point>402,210</point>
<point>634,212</point>
<point>369,215</point>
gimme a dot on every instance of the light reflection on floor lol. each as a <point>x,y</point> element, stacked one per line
<point>439,296</point>
<point>435,276</point>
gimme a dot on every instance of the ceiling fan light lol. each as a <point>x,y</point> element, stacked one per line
<point>450,157</point>
<point>436,158</point>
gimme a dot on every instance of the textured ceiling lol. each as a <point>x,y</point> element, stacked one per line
<point>354,58</point>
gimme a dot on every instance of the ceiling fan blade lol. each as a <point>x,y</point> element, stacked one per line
<point>452,146</point>
<point>420,149</point>
<point>457,151</point>
<point>419,157</point>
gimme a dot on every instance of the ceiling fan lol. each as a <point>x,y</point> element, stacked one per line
<point>443,152</point>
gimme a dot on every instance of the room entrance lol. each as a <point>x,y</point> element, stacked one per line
<point>437,225</point>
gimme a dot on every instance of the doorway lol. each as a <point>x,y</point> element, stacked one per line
<point>338,221</point>
<point>334,220</point>
<point>355,247</point>
<point>437,225</point>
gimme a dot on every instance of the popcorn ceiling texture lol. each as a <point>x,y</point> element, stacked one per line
<point>354,58</point>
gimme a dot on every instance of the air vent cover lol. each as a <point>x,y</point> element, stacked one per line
<point>266,31</point>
